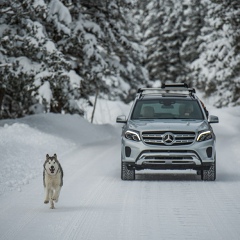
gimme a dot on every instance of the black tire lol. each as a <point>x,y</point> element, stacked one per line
<point>209,175</point>
<point>127,174</point>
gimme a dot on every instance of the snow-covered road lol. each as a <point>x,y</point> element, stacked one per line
<point>96,204</point>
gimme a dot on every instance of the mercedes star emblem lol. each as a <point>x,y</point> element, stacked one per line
<point>168,138</point>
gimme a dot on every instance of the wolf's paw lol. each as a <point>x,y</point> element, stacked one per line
<point>55,199</point>
<point>46,201</point>
<point>52,205</point>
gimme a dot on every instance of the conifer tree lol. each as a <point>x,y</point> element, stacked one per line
<point>60,51</point>
<point>163,39</point>
<point>217,68</point>
<point>37,65</point>
<point>191,29</point>
<point>113,51</point>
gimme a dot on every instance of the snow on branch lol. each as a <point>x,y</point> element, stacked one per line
<point>56,7</point>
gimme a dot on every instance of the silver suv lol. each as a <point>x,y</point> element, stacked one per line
<point>168,128</point>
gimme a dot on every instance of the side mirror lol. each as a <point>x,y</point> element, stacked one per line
<point>213,119</point>
<point>121,119</point>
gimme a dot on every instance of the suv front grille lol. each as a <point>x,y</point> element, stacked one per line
<point>168,138</point>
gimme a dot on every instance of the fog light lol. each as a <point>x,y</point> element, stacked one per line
<point>209,152</point>
<point>127,151</point>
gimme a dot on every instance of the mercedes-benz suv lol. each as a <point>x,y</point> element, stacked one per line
<point>168,128</point>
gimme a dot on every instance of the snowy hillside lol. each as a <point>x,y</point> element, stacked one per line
<point>94,203</point>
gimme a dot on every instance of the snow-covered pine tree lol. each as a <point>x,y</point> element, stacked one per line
<point>63,50</point>
<point>113,54</point>
<point>163,38</point>
<point>59,51</point>
<point>39,69</point>
<point>14,80</point>
<point>130,50</point>
<point>191,28</point>
<point>217,68</point>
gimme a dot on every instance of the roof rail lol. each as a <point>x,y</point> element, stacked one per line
<point>175,85</point>
<point>178,87</point>
<point>169,87</point>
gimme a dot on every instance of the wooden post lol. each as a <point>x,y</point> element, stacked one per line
<point>2,93</point>
<point>94,106</point>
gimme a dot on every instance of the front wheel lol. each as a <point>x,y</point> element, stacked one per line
<point>209,175</point>
<point>127,174</point>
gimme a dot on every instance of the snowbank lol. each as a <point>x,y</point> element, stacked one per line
<point>25,142</point>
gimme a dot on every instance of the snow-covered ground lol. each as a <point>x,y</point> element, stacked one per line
<point>94,203</point>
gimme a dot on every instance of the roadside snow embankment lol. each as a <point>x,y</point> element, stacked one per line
<point>25,142</point>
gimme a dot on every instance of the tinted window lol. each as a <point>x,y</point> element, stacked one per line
<point>167,109</point>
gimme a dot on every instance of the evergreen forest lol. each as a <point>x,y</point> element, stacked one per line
<point>56,54</point>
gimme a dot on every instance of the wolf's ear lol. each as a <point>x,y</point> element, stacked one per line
<point>47,156</point>
<point>55,155</point>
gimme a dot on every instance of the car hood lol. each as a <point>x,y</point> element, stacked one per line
<point>168,125</point>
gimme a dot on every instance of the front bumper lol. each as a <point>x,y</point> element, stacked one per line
<point>197,156</point>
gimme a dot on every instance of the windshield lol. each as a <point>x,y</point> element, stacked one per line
<point>167,109</point>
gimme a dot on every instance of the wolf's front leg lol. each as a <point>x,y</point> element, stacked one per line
<point>56,194</point>
<point>47,191</point>
<point>51,199</point>
<point>51,204</point>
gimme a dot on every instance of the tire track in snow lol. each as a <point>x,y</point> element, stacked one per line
<point>12,233</point>
<point>167,210</point>
<point>160,215</point>
<point>75,229</point>
<point>23,209</point>
<point>223,211</point>
<point>150,209</point>
<point>82,223</point>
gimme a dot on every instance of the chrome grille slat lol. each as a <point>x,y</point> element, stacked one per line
<point>152,135</point>
<point>156,138</point>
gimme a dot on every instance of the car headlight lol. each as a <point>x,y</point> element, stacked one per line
<point>132,135</point>
<point>204,135</point>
